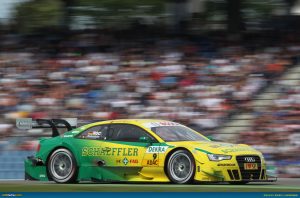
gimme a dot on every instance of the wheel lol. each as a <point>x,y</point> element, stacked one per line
<point>181,167</point>
<point>62,166</point>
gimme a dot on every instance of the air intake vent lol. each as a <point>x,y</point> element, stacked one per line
<point>236,174</point>
<point>230,174</point>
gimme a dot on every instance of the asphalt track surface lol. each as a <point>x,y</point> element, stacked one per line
<point>282,185</point>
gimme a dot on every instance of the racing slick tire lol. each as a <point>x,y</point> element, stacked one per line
<point>62,166</point>
<point>181,167</point>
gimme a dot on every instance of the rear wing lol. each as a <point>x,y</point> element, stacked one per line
<point>54,124</point>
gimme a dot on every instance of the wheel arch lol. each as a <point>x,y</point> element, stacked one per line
<point>171,152</point>
<point>54,149</point>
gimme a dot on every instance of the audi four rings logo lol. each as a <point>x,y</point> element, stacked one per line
<point>249,159</point>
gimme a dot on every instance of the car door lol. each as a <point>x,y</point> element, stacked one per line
<point>130,145</point>
<point>91,145</point>
<point>116,145</point>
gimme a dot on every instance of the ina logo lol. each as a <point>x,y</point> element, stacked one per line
<point>125,161</point>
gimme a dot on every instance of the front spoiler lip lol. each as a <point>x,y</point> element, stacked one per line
<point>259,180</point>
<point>270,179</point>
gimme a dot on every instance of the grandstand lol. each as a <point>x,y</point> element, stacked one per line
<point>272,125</point>
<point>216,91</point>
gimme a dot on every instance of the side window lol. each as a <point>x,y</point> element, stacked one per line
<point>95,133</point>
<point>126,133</point>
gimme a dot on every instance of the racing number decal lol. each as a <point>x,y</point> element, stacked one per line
<point>153,154</point>
<point>154,161</point>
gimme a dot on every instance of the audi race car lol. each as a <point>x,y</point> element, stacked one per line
<point>138,150</point>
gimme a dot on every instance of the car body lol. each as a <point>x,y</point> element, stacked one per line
<point>142,150</point>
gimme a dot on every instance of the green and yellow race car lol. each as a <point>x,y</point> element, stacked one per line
<point>138,150</point>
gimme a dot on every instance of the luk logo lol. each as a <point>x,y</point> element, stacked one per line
<point>125,161</point>
<point>157,149</point>
<point>249,159</point>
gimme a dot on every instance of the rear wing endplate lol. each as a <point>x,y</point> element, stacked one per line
<point>54,124</point>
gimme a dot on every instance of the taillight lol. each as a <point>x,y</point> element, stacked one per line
<point>38,148</point>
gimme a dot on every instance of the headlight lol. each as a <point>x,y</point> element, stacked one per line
<point>216,157</point>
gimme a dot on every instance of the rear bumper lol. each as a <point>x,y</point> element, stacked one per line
<point>35,169</point>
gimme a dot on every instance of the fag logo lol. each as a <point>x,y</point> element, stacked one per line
<point>133,161</point>
<point>156,149</point>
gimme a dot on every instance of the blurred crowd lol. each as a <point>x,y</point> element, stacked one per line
<point>200,84</point>
<point>276,130</point>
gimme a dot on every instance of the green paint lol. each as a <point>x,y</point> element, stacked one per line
<point>214,175</point>
<point>204,151</point>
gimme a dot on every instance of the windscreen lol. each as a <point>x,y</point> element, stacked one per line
<point>177,133</point>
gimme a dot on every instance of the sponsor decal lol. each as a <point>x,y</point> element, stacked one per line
<point>250,166</point>
<point>162,123</point>
<point>24,123</point>
<point>133,161</point>
<point>68,135</point>
<point>107,151</point>
<point>11,195</point>
<point>75,131</point>
<point>228,164</point>
<point>125,161</point>
<point>156,149</point>
<point>42,175</point>
<point>94,134</point>
<point>221,145</point>
<point>166,123</point>
<point>231,150</point>
<point>154,161</point>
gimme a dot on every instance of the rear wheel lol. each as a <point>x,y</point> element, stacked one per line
<point>181,167</point>
<point>62,166</point>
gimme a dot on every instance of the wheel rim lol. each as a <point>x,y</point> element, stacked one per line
<point>181,167</point>
<point>61,165</point>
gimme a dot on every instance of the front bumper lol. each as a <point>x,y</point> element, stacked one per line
<point>223,176</point>
<point>232,171</point>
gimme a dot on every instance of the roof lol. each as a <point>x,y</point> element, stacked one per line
<point>128,121</point>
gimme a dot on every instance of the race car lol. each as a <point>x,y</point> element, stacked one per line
<point>138,150</point>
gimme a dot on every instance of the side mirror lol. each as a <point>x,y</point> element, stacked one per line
<point>145,139</point>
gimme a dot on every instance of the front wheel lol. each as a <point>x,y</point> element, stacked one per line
<point>62,166</point>
<point>181,167</point>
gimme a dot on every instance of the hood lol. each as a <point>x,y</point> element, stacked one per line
<point>216,147</point>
